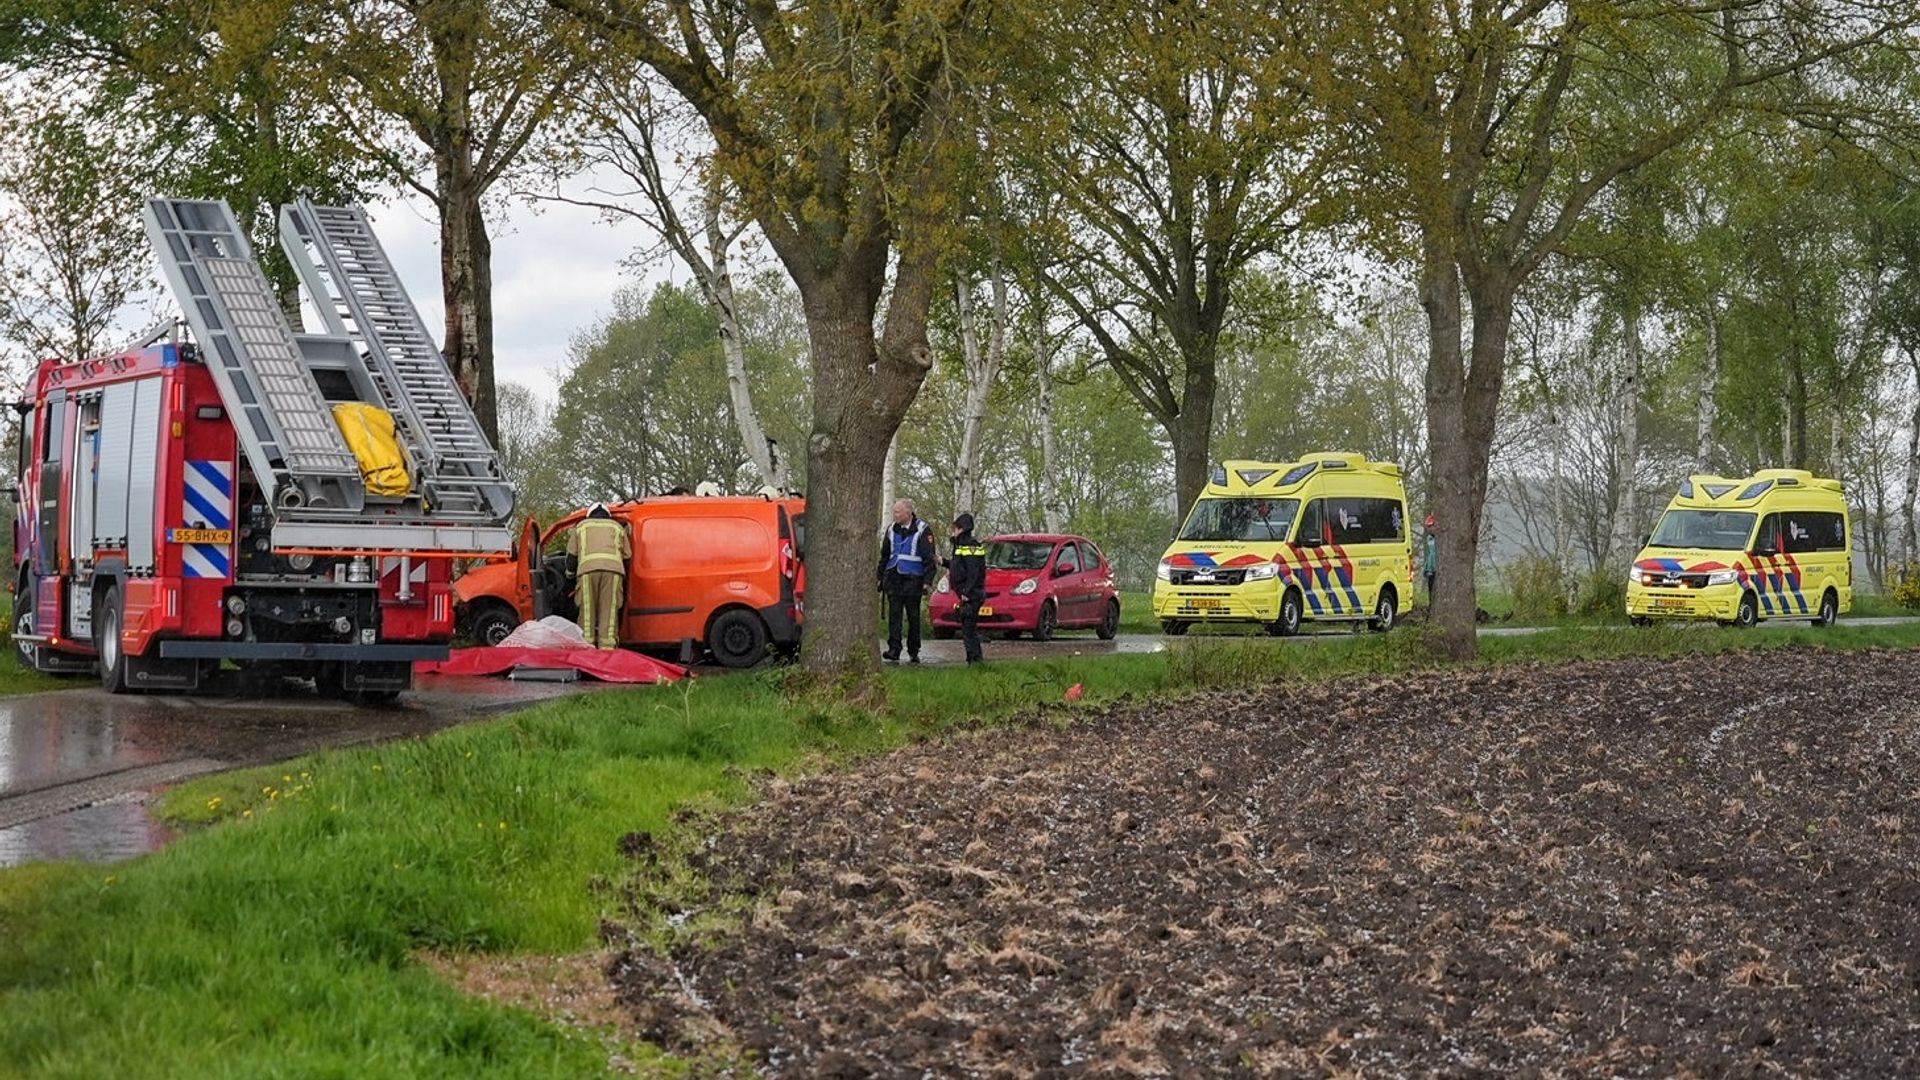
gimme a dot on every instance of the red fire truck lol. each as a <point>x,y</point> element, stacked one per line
<point>186,502</point>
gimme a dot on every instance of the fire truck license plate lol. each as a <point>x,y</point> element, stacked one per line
<point>200,536</point>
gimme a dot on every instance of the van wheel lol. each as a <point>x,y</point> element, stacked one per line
<point>1109,627</point>
<point>737,638</point>
<point>1829,610</point>
<point>106,636</point>
<point>1386,611</point>
<point>491,622</point>
<point>1288,624</point>
<point>1049,619</point>
<point>1173,627</point>
<point>1748,613</point>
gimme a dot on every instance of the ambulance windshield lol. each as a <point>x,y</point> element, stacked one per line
<point>1711,530</point>
<point>1261,519</point>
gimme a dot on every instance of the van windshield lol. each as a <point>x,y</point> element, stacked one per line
<point>1712,530</point>
<point>1240,519</point>
<point>1018,554</point>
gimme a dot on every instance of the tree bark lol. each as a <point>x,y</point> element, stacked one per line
<point>1909,534</point>
<point>466,283</point>
<point>982,366</point>
<point>717,276</point>
<point>1192,429</point>
<point>1706,450</point>
<point>1627,509</point>
<point>1054,514</point>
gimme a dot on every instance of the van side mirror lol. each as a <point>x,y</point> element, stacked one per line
<point>1764,550</point>
<point>1647,540</point>
<point>1307,541</point>
<point>13,493</point>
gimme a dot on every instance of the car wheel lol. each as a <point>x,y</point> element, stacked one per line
<point>106,636</point>
<point>492,622</point>
<point>1829,610</point>
<point>737,638</point>
<point>1049,620</point>
<point>1173,627</point>
<point>1386,612</point>
<point>1288,624</point>
<point>1109,627</point>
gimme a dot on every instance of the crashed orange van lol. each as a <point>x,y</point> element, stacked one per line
<point>723,575</point>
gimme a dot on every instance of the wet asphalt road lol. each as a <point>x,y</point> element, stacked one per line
<point>78,767</point>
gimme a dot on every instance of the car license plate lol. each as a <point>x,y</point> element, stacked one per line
<point>1671,602</point>
<point>1204,603</point>
<point>200,536</point>
<point>986,611</point>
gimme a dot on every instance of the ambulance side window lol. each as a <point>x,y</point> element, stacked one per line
<point>1310,529</point>
<point>1809,531</point>
<point>1767,538</point>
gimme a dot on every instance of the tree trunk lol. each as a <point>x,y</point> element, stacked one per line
<point>973,415</point>
<point>1054,514</point>
<point>719,289</point>
<point>1462,406</point>
<point>1192,430</point>
<point>1706,451</point>
<point>466,284</point>
<point>1627,509</point>
<point>1909,541</point>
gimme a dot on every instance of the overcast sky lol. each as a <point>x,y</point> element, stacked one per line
<point>555,270</point>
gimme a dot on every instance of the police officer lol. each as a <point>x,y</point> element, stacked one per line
<point>967,577</point>
<point>601,548</point>
<point>908,562</point>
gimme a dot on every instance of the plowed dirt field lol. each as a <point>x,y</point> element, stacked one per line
<point>1703,867</point>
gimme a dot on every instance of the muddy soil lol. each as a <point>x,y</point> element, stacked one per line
<point>1698,867</point>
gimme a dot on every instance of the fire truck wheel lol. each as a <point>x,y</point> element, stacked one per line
<point>738,638</point>
<point>106,632</point>
<point>492,621</point>
<point>26,651</point>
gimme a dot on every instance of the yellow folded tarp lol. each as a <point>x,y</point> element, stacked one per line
<point>370,435</point>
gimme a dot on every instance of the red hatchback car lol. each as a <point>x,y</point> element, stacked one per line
<point>1038,583</point>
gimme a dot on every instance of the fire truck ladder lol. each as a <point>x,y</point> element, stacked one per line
<point>285,426</point>
<point>358,295</point>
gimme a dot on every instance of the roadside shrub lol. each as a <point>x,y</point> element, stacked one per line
<point>1906,585</point>
<point>1602,592</point>
<point>1536,587</point>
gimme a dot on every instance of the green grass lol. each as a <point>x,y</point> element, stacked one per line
<point>279,941</point>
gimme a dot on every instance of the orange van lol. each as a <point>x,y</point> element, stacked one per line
<point>720,574</point>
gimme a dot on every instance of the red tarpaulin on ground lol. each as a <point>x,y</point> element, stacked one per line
<point>607,665</point>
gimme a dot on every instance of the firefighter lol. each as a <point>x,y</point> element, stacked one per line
<point>601,547</point>
<point>908,562</point>
<point>967,577</point>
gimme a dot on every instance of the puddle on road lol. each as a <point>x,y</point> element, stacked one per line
<point>108,832</point>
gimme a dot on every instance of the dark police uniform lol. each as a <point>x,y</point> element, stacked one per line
<point>908,562</point>
<point>967,577</point>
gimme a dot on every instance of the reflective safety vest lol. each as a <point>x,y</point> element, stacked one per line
<point>906,560</point>
<point>600,544</point>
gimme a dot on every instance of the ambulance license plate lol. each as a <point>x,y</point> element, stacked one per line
<point>986,611</point>
<point>1203,603</point>
<point>1674,603</point>
<point>200,536</point>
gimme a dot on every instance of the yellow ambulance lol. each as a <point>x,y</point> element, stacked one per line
<point>1281,543</point>
<point>1774,545</point>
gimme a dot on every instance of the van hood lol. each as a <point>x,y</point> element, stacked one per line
<point>493,579</point>
<point>1687,560</point>
<point>1211,554</point>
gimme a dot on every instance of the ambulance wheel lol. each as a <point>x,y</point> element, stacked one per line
<point>1829,610</point>
<point>1049,619</point>
<point>106,635</point>
<point>1109,627</point>
<point>1173,627</point>
<point>492,621</point>
<point>1288,624</point>
<point>1641,621</point>
<point>737,638</point>
<point>1749,612</point>
<point>1386,612</point>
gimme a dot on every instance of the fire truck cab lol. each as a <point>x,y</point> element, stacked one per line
<point>184,503</point>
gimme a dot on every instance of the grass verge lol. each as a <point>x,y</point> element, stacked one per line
<point>281,940</point>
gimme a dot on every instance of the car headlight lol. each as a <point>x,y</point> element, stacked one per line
<point>1165,571</point>
<point>1263,571</point>
<point>1637,576</point>
<point>1723,577</point>
<point>1026,587</point>
<point>944,586</point>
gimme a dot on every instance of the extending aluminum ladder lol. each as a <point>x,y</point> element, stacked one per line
<point>360,297</point>
<point>460,501</point>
